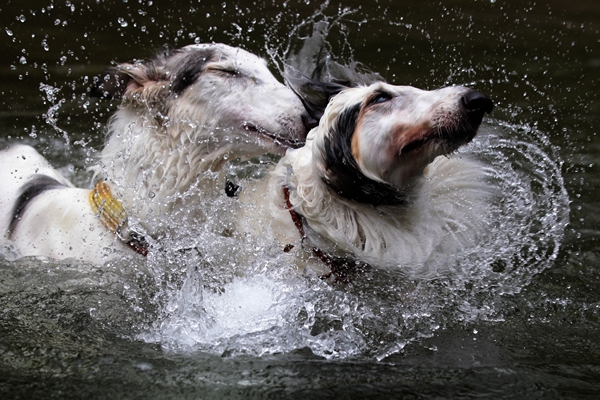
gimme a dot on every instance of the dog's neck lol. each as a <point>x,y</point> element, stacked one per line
<point>156,165</point>
<point>391,236</point>
<point>335,224</point>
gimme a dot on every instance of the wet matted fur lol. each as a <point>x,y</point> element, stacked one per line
<point>182,113</point>
<point>374,185</point>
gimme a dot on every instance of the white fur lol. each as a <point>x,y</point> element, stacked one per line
<point>152,161</point>
<point>163,152</point>
<point>448,196</point>
<point>60,223</point>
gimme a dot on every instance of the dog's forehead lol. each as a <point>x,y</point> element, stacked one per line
<point>222,53</point>
<point>359,94</point>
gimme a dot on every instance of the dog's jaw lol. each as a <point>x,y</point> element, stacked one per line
<point>275,142</point>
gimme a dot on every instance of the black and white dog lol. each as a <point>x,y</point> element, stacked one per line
<point>373,184</point>
<point>182,113</point>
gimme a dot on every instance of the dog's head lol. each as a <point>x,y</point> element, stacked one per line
<point>373,142</point>
<point>213,85</point>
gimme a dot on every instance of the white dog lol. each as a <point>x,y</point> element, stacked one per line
<point>183,113</point>
<point>372,184</point>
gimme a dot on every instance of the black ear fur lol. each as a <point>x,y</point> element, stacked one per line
<point>316,78</point>
<point>314,94</point>
<point>113,82</point>
<point>342,172</point>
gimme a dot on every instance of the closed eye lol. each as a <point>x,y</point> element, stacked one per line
<point>378,98</point>
<point>225,71</point>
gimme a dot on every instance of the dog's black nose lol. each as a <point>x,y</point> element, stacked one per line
<point>309,122</point>
<point>475,100</point>
<point>476,104</point>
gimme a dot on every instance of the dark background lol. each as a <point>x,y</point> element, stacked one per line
<point>539,61</point>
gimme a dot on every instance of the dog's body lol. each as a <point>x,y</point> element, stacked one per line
<point>42,214</point>
<point>183,114</point>
<point>372,183</point>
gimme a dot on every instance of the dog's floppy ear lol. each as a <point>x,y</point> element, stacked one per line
<point>314,93</point>
<point>124,79</point>
<point>315,77</point>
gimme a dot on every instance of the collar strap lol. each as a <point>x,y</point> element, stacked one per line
<point>113,216</point>
<point>341,268</point>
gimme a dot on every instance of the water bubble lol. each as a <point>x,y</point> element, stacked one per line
<point>9,32</point>
<point>122,22</point>
<point>23,60</point>
<point>45,45</point>
<point>21,18</point>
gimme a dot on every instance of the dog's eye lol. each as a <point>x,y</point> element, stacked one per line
<point>380,98</point>
<point>226,71</point>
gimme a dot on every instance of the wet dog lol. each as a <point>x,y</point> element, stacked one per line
<point>373,184</point>
<point>182,114</point>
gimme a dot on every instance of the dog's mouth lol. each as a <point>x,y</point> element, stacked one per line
<point>277,139</point>
<point>450,138</point>
<point>442,142</point>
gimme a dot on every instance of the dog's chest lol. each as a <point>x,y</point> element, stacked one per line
<point>262,214</point>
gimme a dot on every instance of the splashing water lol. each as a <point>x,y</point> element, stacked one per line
<point>51,116</point>
<point>235,297</point>
<point>244,297</point>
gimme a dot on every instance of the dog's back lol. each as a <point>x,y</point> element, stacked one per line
<point>42,214</point>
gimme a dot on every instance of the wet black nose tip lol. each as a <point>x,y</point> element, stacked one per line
<point>477,101</point>
<point>309,122</point>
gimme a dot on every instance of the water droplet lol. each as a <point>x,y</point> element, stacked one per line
<point>21,18</point>
<point>23,60</point>
<point>122,22</point>
<point>151,195</point>
<point>9,32</point>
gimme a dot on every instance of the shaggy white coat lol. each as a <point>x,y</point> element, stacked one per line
<point>447,197</point>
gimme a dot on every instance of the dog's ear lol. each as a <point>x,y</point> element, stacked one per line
<point>315,77</point>
<point>314,93</point>
<point>126,79</point>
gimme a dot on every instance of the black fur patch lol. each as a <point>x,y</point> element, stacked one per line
<point>191,69</point>
<point>343,175</point>
<point>112,83</point>
<point>38,185</point>
<point>314,92</point>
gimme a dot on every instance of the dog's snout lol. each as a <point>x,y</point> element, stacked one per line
<point>309,122</point>
<point>475,100</point>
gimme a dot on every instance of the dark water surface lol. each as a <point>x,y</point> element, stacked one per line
<point>522,318</point>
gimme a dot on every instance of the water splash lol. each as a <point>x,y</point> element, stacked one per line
<point>244,297</point>
<point>51,116</point>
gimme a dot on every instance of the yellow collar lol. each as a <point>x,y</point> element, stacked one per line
<point>113,216</point>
